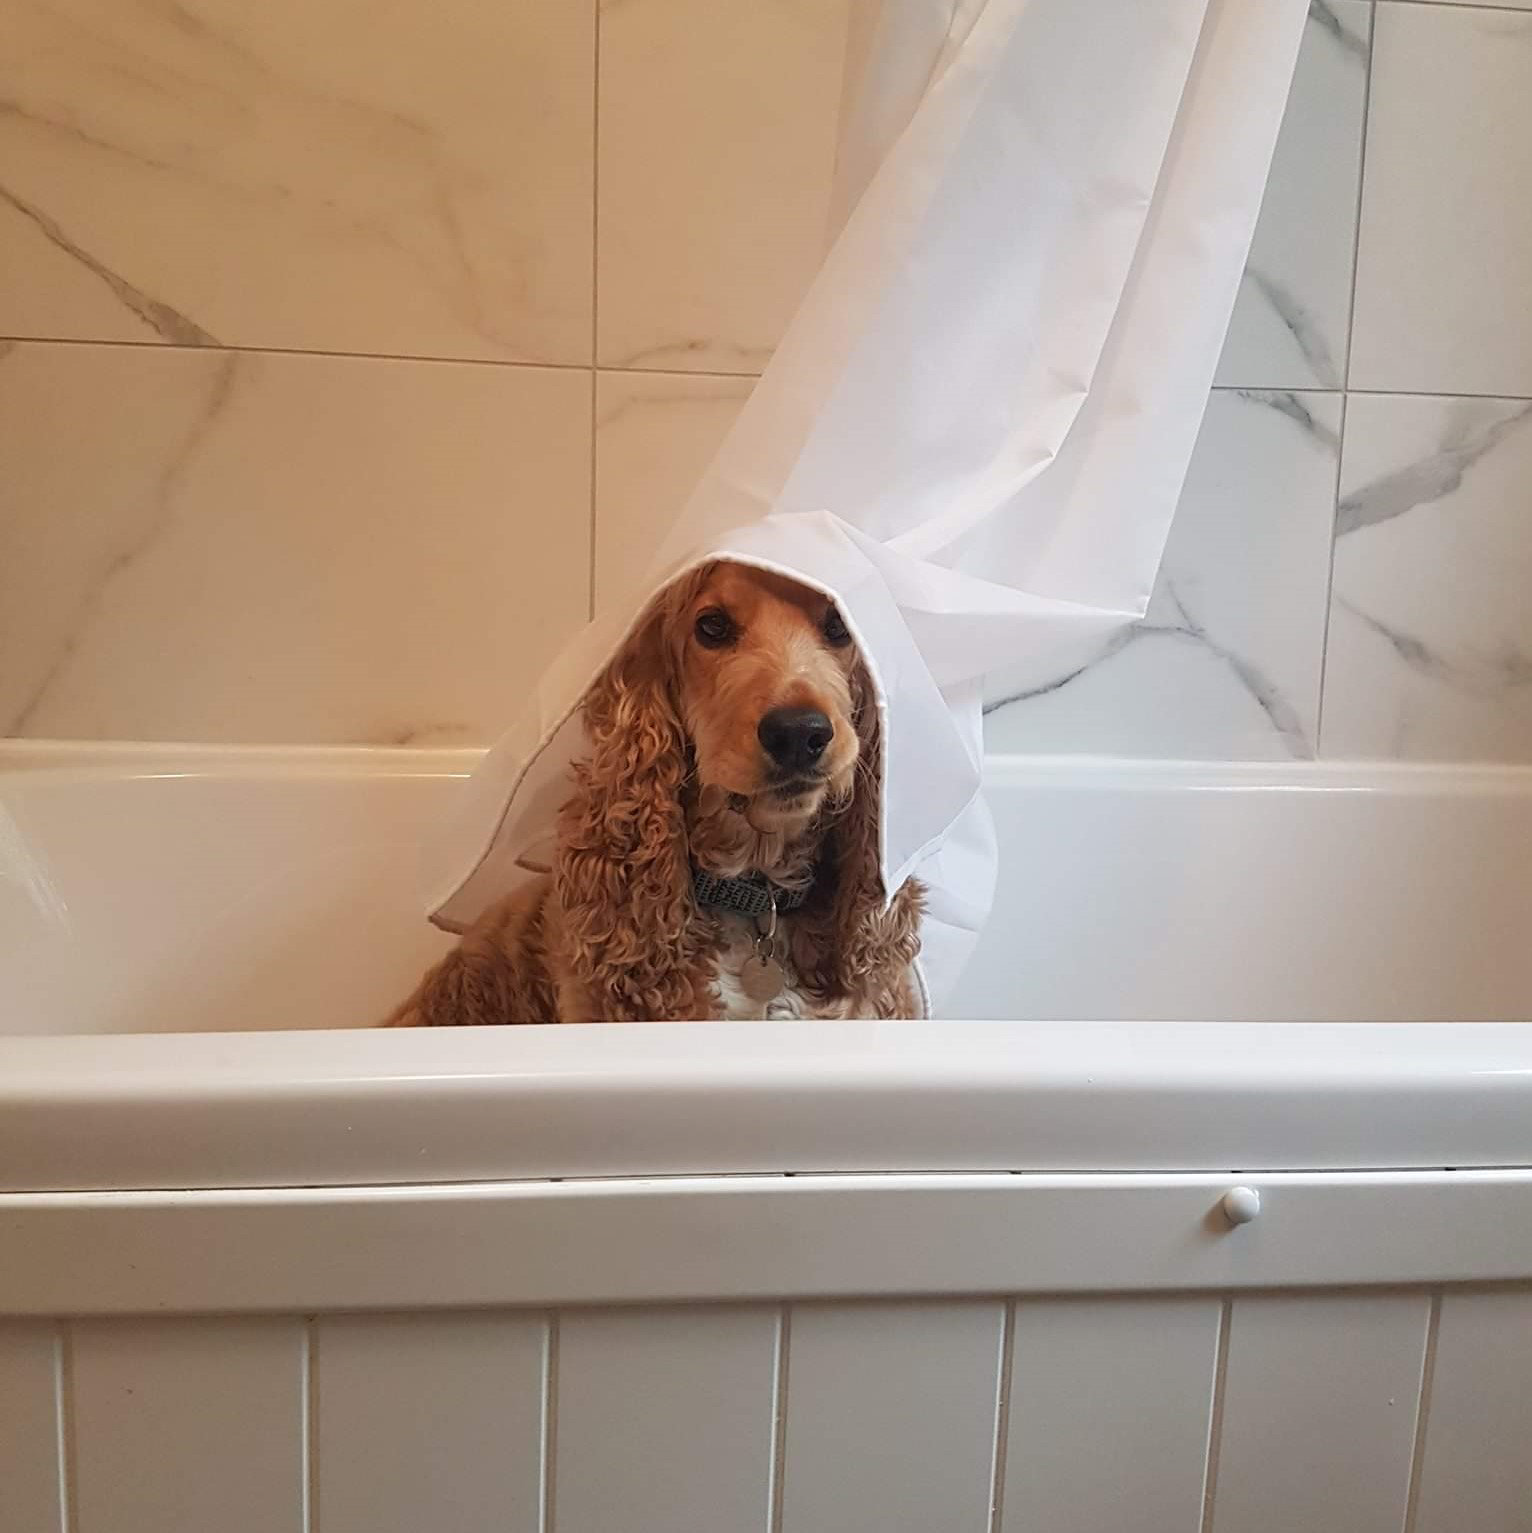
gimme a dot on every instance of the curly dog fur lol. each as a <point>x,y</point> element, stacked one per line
<point>676,779</point>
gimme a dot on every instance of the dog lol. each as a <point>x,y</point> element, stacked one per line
<point>718,858</point>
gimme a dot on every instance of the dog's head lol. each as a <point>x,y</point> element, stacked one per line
<point>765,679</point>
<point>744,687</point>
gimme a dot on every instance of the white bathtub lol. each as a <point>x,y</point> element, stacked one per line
<point>264,1271</point>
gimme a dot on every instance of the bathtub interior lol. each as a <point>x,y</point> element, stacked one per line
<point>173,890</point>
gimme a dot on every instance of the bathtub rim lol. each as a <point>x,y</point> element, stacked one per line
<point>361,1107</point>
<point>373,1108</point>
<point>74,760</point>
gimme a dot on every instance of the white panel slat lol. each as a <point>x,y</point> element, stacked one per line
<point>428,1422</point>
<point>891,1417</point>
<point>1319,1409</point>
<point>30,1472</point>
<point>1110,1402</point>
<point>1476,1468</point>
<point>189,1424</point>
<point>663,1420</point>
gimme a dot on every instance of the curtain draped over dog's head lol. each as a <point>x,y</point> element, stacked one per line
<point>976,429</point>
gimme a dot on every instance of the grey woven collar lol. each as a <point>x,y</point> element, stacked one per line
<point>749,896</point>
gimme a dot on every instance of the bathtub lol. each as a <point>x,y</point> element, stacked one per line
<point>1216,1215</point>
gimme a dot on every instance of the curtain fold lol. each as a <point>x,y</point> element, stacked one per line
<point>975,431</point>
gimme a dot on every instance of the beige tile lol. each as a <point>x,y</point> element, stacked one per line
<point>307,174</point>
<point>1430,648</point>
<point>717,146</point>
<point>1443,303</point>
<point>1289,328</point>
<point>195,545</point>
<point>655,434</point>
<point>1226,662</point>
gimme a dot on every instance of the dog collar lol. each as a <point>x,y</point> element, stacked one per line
<point>753,895</point>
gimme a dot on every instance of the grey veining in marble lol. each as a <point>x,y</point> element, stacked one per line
<point>1289,328</point>
<point>1186,629</point>
<point>716,135</point>
<point>1430,649</point>
<point>1431,478</point>
<point>441,732</point>
<point>161,516</point>
<point>1226,660</point>
<point>166,322</point>
<point>300,175</point>
<point>1326,15</point>
<point>1113,646</point>
<point>267,548</point>
<point>1482,674</point>
<point>1300,323</point>
<point>712,354</point>
<point>1284,717</point>
<point>1286,402</point>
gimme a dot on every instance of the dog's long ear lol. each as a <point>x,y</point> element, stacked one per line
<point>622,874</point>
<point>851,948</point>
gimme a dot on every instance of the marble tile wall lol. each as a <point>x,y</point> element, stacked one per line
<point>1348,571</point>
<point>345,362</point>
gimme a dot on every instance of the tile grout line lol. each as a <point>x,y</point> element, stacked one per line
<point>1423,1411</point>
<point>1340,442</point>
<point>1324,642</point>
<point>1002,1418</point>
<point>1475,5</point>
<point>527,363</point>
<point>155,347</point>
<point>1350,393</point>
<point>1512,399</point>
<point>1361,188</point>
<point>1215,1416</point>
<point>595,295</point>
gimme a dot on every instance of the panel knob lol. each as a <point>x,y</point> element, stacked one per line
<point>1240,1205</point>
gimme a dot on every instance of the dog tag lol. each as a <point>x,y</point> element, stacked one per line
<point>761,979</point>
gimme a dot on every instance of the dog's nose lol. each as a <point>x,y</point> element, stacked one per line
<point>795,738</point>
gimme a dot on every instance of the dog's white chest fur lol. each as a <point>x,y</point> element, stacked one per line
<point>736,947</point>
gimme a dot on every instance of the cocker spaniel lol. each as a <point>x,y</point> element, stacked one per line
<point>718,858</point>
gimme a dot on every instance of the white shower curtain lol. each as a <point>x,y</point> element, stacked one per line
<point>976,429</point>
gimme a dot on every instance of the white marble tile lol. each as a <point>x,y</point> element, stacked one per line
<point>1226,663</point>
<point>1430,651</point>
<point>306,174</point>
<point>1444,301</point>
<point>717,148</point>
<point>199,545</point>
<point>655,434</point>
<point>1290,324</point>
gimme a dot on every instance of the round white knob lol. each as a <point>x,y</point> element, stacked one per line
<point>1241,1204</point>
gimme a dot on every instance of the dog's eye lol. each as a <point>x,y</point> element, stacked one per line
<point>835,630</point>
<point>714,628</point>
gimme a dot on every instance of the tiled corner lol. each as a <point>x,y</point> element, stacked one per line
<point>1444,304</point>
<point>201,546</point>
<point>1289,328</point>
<point>301,174</point>
<point>717,146</point>
<point>1226,663</point>
<point>655,434</point>
<point>1430,653</point>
